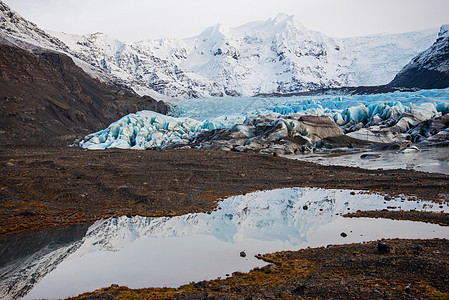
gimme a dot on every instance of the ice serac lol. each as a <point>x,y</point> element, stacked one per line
<point>278,55</point>
<point>285,135</point>
<point>281,125</point>
<point>429,69</point>
<point>151,130</point>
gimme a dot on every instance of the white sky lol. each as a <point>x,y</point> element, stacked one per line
<point>133,20</point>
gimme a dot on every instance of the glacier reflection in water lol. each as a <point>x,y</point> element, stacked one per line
<point>143,252</point>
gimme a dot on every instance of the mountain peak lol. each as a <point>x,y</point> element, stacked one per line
<point>283,19</point>
<point>219,30</point>
<point>444,31</point>
<point>429,69</point>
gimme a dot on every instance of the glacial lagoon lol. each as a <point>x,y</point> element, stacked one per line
<point>143,252</point>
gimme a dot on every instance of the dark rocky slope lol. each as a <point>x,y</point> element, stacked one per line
<point>46,99</point>
<point>430,69</point>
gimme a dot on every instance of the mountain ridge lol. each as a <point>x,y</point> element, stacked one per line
<point>275,56</point>
<point>430,68</point>
<point>254,58</point>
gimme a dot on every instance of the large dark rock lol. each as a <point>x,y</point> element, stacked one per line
<point>430,69</point>
<point>47,100</point>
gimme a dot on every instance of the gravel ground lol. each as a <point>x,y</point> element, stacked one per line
<point>43,187</point>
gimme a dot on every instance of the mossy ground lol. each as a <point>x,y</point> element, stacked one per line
<point>356,271</point>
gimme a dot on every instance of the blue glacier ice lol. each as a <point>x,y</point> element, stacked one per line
<point>189,118</point>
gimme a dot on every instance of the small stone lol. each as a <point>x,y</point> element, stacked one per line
<point>343,234</point>
<point>224,288</point>
<point>114,285</point>
<point>369,156</point>
<point>299,290</point>
<point>208,295</point>
<point>305,207</point>
<point>383,247</point>
<point>242,254</point>
<point>418,247</point>
<point>387,197</point>
<point>29,212</point>
<point>200,285</point>
<point>270,268</point>
<point>284,295</point>
<point>352,193</point>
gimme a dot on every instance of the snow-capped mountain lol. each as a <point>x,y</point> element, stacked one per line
<point>275,56</point>
<point>46,97</point>
<point>278,55</point>
<point>430,69</point>
<point>21,32</point>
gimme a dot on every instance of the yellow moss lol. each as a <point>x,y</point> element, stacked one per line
<point>432,292</point>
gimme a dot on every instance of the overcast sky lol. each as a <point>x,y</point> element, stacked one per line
<point>133,20</point>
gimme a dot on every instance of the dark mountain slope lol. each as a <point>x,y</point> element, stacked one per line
<point>430,69</point>
<point>46,99</point>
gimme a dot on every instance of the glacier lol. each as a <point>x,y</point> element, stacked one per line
<point>377,118</point>
<point>141,252</point>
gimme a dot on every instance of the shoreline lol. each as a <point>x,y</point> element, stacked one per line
<point>394,269</point>
<point>45,187</point>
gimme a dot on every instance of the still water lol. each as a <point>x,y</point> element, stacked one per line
<point>143,252</point>
<point>432,160</point>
